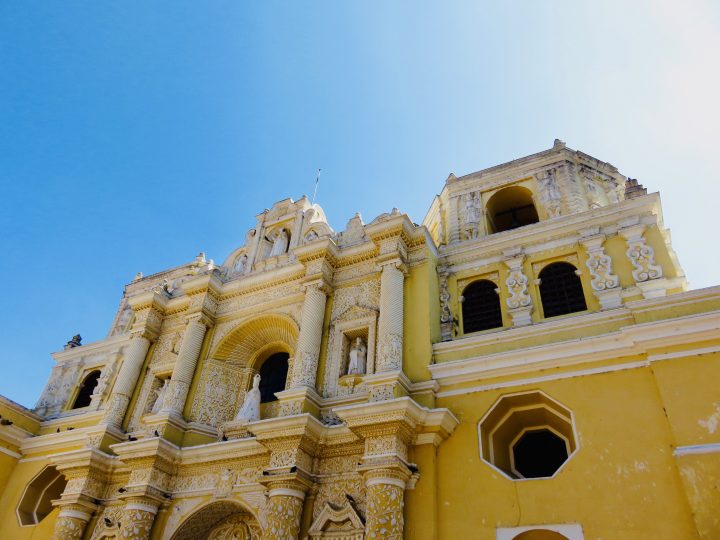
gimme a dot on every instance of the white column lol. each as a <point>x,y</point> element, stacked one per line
<point>184,369</point>
<point>311,327</point>
<point>390,323</point>
<point>126,380</point>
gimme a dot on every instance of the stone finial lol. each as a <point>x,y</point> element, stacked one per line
<point>557,143</point>
<point>76,341</point>
<point>138,276</point>
<point>634,189</point>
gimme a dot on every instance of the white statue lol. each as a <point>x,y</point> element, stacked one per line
<point>280,244</point>
<point>550,194</point>
<point>472,208</point>
<point>240,263</point>
<point>160,397</point>
<point>358,354</point>
<point>250,410</point>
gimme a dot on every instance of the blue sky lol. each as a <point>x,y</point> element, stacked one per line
<point>134,135</point>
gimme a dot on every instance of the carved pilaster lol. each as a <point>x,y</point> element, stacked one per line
<point>174,400</point>
<point>311,327</point>
<point>126,380</point>
<point>390,323</point>
<point>71,522</point>
<point>385,503</point>
<point>519,302</point>
<point>284,510</point>
<point>641,255</point>
<point>447,321</point>
<point>137,519</point>
<point>605,284</point>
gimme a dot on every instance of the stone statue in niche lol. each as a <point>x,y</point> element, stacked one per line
<point>240,264</point>
<point>357,358</point>
<point>250,409</point>
<point>471,215</point>
<point>160,397</point>
<point>280,244</point>
<point>550,194</point>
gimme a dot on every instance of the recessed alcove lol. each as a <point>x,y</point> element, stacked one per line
<point>527,435</point>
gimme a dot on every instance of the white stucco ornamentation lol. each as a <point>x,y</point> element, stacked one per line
<point>549,193</point>
<point>519,301</point>
<point>641,255</point>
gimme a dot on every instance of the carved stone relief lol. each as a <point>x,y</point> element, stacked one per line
<point>216,398</point>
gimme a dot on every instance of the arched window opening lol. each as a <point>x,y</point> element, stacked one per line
<point>481,307</point>
<point>540,534</point>
<point>511,208</point>
<point>539,454</point>
<point>87,387</point>
<point>561,290</point>
<point>36,501</point>
<point>273,374</point>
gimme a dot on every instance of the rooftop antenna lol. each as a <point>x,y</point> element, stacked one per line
<point>317,181</point>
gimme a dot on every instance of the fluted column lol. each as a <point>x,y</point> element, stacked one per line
<point>126,380</point>
<point>71,523</point>
<point>390,324</point>
<point>311,327</point>
<point>283,513</point>
<point>137,520</point>
<point>184,370</point>
<point>385,502</point>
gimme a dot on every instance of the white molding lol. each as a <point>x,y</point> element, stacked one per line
<point>69,512</point>
<point>544,378</point>
<point>570,531</point>
<point>386,480</point>
<point>628,340</point>
<point>10,453</point>
<point>287,492</point>
<point>141,506</point>
<point>710,448</point>
<point>683,354</point>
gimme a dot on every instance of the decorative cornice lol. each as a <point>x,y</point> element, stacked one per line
<point>630,340</point>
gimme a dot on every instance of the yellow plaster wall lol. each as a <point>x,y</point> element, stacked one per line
<point>421,506</point>
<point>691,403</point>
<point>421,314</point>
<point>7,465</point>
<point>622,482</point>
<point>700,475</point>
<point>10,527</point>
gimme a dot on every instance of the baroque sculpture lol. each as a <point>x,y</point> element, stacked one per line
<point>549,194</point>
<point>250,409</point>
<point>280,244</point>
<point>471,215</point>
<point>357,357</point>
<point>160,397</point>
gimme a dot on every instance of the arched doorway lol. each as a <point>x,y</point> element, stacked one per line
<point>220,520</point>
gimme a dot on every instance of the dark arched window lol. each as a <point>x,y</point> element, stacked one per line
<point>511,208</point>
<point>481,307</point>
<point>561,290</point>
<point>87,387</point>
<point>273,374</point>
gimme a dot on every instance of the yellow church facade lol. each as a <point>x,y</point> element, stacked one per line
<point>527,363</point>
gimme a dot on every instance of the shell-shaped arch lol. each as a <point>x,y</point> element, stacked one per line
<point>263,333</point>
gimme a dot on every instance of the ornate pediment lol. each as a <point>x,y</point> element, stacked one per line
<point>355,312</point>
<point>339,523</point>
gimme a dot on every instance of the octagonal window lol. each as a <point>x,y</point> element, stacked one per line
<point>538,453</point>
<point>527,435</point>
